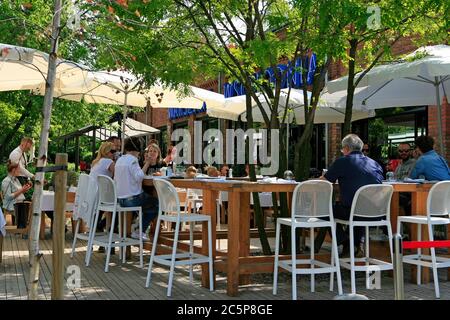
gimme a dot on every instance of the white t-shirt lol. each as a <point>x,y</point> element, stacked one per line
<point>128,176</point>
<point>20,157</point>
<point>101,167</point>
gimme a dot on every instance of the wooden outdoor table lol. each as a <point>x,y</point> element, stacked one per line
<point>236,263</point>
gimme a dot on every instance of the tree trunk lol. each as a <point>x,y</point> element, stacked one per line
<point>5,141</point>
<point>42,158</point>
<point>303,153</point>
<point>350,88</point>
<point>256,204</point>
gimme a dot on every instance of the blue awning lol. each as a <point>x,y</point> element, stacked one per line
<point>292,78</point>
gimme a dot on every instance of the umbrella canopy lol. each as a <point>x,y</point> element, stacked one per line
<point>122,88</point>
<point>26,69</point>
<point>422,78</point>
<point>235,107</point>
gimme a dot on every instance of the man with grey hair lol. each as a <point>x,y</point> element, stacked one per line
<point>352,171</point>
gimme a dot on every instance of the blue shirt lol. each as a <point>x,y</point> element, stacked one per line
<point>354,171</point>
<point>432,166</point>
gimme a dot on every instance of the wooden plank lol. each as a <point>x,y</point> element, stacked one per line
<point>244,232</point>
<point>89,287</point>
<point>395,208</point>
<point>12,291</point>
<point>47,245</point>
<point>95,275</point>
<point>58,235</point>
<point>23,290</point>
<point>45,268</point>
<point>2,281</point>
<point>234,207</point>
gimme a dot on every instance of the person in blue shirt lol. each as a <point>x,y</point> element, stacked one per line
<point>352,171</point>
<point>430,164</point>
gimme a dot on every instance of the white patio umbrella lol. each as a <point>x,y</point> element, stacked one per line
<point>26,69</point>
<point>121,88</point>
<point>422,78</point>
<point>236,106</point>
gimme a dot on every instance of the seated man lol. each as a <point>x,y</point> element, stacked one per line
<point>430,165</point>
<point>407,161</point>
<point>403,171</point>
<point>352,171</point>
<point>128,177</point>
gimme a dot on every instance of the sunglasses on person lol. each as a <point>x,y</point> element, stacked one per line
<point>365,150</point>
<point>112,151</point>
<point>403,150</point>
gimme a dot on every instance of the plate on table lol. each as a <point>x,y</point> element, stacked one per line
<point>409,180</point>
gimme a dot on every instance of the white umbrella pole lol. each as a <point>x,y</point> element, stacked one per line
<point>439,116</point>
<point>326,145</point>
<point>287,144</point>
<point>124,118</point>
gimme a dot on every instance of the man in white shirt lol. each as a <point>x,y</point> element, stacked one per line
<point>19,155</point>
<point>128,176</point>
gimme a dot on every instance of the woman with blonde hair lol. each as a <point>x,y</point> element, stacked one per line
<point>191,172</point>
<point>103,163</point>
<point>153,156</point>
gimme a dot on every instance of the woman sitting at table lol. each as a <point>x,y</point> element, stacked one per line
<point>103,163</point>
<point>191,172</point>
<point>12,190</point>
<point>152,155</point>
<point>212,172</point>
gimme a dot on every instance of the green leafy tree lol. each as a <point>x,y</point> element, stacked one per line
<point>369,43</point>
<point>190,40</point>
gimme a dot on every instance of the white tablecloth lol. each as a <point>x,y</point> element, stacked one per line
<point>2,223</point>
<point>48,201</point>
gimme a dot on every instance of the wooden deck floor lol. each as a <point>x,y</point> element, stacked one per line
<point>127,281</point>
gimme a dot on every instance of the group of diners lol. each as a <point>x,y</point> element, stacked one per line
<point>355,169</point>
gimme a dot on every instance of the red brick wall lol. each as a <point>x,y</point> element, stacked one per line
<point>433,126</point>
<point>334,145</point>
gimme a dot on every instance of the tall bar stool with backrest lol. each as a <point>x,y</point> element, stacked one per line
<point>370,201</point>
<point>169,210</point>
<point>193,201</point>
<point>107,201</point>
<point>311,208</point>
<point>438,205</point>
<point>86,201</point>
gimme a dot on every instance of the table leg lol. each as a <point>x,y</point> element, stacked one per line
<point>394,211</point>
<point>234,209</point>
<point>244,232</point>
<point>419,207</point>
<point>42,228</point>
<point>209,207</point>
<point>1,247</point>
